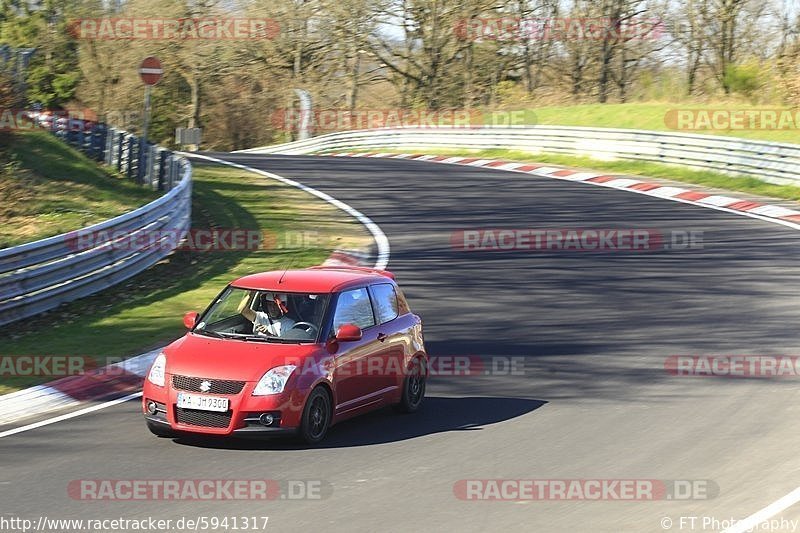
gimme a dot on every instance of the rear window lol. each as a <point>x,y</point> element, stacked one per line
<point>385,302</point>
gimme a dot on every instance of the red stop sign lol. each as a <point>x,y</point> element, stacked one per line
<point>150,70</point>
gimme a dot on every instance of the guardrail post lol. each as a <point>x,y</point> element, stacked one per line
<point>120,151</point>
<point>138,162</point>
<point>162,168</point>
<point>152,167</point>
<point>172,171</point>
<point>141,161</point>
<point>129,156</point>
<point>123,154</point>
<point>100,133</point>
<point>109,143</point>
<point>147,163</point>
<point>91,143</point>
<point>88,142</point>
<point>72,136</point>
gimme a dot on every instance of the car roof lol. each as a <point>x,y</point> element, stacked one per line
<point>314,279</point>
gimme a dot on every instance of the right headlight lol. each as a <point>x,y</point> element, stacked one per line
<point>274,380</point>
<point>158,370</point>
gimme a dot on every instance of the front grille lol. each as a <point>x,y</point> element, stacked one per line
<point>218,386</point>
<point>206,419</point>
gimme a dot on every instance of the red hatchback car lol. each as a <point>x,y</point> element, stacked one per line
<point>290,352</point>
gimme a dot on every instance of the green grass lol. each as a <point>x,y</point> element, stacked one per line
<point>146,311</point>
<point>47,188</point>
<point>705,178</point>
<point>648,116</point>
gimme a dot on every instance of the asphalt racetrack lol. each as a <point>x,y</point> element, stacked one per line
<point>592,399</point>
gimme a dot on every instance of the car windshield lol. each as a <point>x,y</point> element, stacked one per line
<point>264,316</point>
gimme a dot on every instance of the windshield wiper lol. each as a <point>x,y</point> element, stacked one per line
<point>210,333</point>
<point>261,338</point>
<point>258,338</point>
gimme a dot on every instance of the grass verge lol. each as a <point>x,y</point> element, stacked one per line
<point>705,178</point>
<point>651,116</point>
<point>145,311</point>
<point>49,188</point>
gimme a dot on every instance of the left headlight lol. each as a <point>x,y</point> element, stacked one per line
<point>158,370</point>
<point>274,380</point>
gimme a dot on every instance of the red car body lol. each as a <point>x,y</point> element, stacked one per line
<point>358,370</point>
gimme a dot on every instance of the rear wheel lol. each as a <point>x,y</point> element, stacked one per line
<point>316,416</point>
<point>413,387</point>
<point>160,430</point>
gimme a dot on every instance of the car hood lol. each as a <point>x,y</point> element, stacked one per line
<point>207,357</point>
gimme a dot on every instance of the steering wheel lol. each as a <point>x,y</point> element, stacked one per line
<point>310,328</point>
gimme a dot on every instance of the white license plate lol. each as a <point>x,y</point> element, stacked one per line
<point>202,403</point>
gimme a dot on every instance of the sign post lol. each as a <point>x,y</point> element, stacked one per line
<point>150,71</point>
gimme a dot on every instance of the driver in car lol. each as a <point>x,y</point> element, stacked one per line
<point>272,317</point>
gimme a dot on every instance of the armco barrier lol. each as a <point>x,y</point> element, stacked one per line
<point>41,275</point>
<point>772,162</point>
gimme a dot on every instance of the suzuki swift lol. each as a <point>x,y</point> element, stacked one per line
<point>291,351</point>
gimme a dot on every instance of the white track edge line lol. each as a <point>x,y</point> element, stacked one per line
<point>67,416</point>
<point>793,497</point>
<point>381,262</point>
<point>786,223</point>
<point>781,504</point>
<point>380,238</point>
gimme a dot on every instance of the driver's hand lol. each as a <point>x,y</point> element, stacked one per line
<point>260,328</point>
<point>243,303</point>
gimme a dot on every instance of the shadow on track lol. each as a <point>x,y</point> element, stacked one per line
<point>438,415</point>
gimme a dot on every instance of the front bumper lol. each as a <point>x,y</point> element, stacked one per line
<point>253,431</point>
<point>245,432</point>
<point>242,416</point>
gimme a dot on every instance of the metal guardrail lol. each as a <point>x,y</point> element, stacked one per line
<point>41,275</point>
<point>777,163</point>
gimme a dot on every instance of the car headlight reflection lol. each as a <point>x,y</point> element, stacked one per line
<point>274,380</point>
<point>158,370</point>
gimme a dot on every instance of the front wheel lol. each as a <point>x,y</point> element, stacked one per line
<point>316,416</point>
<point>413,388</point>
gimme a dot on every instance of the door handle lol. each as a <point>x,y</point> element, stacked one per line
<point>382,336</point>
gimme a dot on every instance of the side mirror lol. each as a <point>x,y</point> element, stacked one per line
<point>190,319</point>
<point>348,333</point>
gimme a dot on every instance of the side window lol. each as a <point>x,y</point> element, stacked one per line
<point>354,307</point>
<point>385,301</point>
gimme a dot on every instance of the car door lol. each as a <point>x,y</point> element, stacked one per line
<point>389,353</point>
<point>353,387</point>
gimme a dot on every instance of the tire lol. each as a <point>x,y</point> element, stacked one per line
<point>160,430</point>
<point>413,388</point>
<point>317,416</point>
